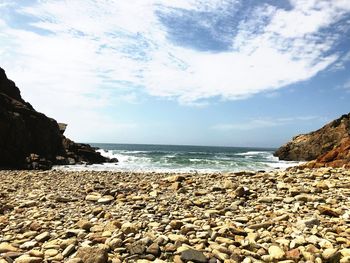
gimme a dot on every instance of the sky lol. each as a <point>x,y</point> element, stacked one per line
<point>191,72</point>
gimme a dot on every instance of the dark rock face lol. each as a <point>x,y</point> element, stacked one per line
<point>307,147</point>
<point>31,140</point>
<point>82,152</point>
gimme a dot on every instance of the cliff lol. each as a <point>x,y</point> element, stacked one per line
<point>328,146</point>
<point>31,140</point>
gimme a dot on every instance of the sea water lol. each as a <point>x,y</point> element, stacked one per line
<point>180,158</point>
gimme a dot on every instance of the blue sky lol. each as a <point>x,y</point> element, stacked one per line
<point>219,72</point>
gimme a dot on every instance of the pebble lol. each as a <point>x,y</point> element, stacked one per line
<point>92,255</point>
<point>276,252</point>
<point>105,199</point>
<point>6,247</point>
<point>28,259</point>
<point>194,256</point>
<point>68,250</point>
<point>43,237</point>
<point>277,216</point>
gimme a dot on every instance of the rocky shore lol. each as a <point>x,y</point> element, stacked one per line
<point>279,216</point>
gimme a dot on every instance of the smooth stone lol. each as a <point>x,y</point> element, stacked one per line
<point>75,260</point>
<point>68,250</point>
<point>92,197</point>
<point>51,253</point>
<point>345,252</point>
<point>224,240</point>
<point>261,225</point>
<point>36,253</point>
<point>6,247</point>
<point>105,199</point>
<point>128,228</point>
<point>28,259</point>
<point>43,237</point>
<point>153,249</point>
<point>329,253</point>
<point>176,224</point>
<point>28,244</point>
<point>220,255</point>
<point>180,238</point>
<point>84,224</point>
<point>193,255</point>
<point>345,259</point>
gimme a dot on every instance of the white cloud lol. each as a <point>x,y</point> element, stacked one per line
<point>307,17</point>
<point>262,123</point>
<point>93,47</point>
<point>340,64</point>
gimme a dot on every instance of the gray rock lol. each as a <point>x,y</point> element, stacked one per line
<point>194,256</point>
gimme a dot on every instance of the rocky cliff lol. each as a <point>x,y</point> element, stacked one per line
<point>337,157</point>
<point>31,140</point>
<point>328,146</point>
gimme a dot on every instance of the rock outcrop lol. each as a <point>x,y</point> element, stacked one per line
<point>31,140</point>
<point>337,157</point>
<point>326,144</point>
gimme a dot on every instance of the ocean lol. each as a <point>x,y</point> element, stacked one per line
<point>180,158</point>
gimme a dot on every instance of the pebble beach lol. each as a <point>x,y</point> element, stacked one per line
<point>99,216</point>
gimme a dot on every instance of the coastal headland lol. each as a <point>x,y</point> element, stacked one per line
<point>278,216</point>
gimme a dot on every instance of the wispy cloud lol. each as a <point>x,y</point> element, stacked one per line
<point>346,85</point>
<point>130,44</point>
<point>263,123</point>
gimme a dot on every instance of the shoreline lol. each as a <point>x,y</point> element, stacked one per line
<point>122,168</point>
<point>70,216</point>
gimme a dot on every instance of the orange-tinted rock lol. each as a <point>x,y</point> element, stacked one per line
<point>337,157</point>
<point>293,254</point>
<point>323,142</point>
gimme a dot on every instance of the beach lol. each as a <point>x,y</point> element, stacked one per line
<point>109,216</point>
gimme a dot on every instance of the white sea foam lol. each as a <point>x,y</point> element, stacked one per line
<point>252,153</point>
<point>165,161</point>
